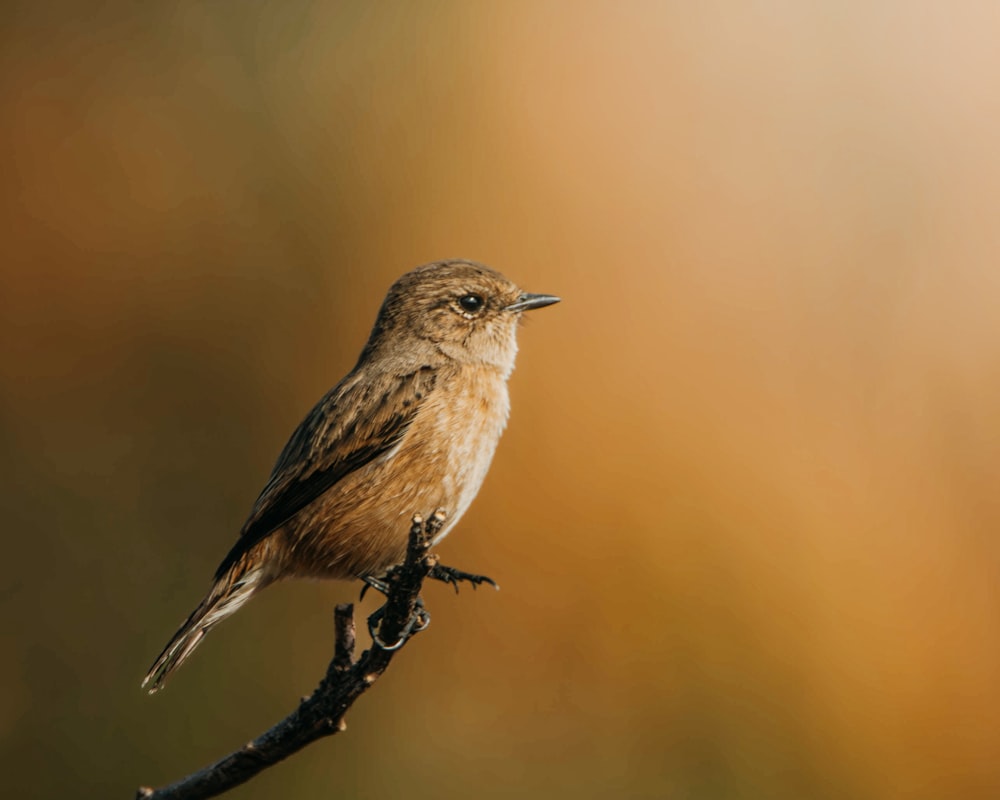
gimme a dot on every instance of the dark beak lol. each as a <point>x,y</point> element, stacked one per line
<point>526,302</point>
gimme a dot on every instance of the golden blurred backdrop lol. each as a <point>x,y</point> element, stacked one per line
<point>745,515</point>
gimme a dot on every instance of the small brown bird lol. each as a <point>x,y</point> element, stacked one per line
<point>411,428</point>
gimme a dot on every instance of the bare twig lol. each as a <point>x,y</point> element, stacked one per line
<point>322,713</point>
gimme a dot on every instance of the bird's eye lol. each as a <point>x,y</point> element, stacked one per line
<point>471,303</point>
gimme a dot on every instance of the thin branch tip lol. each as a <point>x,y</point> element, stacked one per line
<point>343,637</point>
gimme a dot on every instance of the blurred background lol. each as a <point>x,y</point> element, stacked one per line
<point>745,515</point>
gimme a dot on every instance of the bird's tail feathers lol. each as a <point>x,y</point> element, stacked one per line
<point>225,598</point>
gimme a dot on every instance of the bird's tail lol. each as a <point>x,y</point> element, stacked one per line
<point>227,596</point>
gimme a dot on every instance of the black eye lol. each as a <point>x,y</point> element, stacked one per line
<point>471,303</point>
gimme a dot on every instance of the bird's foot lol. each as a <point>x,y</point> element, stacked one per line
<point>418,621</point>
<point>378,584</point>
<point>453,576</point>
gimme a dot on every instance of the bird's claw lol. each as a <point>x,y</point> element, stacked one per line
<point>371,582</point>
<point>418,621</point>
<point>454,577</point>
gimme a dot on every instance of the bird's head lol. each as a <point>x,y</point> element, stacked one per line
<point>452,310</point>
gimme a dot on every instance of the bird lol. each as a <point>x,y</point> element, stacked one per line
<point>413,426</point>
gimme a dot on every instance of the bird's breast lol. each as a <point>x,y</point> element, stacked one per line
<point>360,526</point>
<point>458,432</point>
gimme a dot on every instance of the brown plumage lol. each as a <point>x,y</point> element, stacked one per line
<point>411,428</point>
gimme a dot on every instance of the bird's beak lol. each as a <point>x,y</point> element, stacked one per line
<point>526,302</point>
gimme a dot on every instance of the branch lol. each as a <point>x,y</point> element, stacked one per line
<point>322,713</point>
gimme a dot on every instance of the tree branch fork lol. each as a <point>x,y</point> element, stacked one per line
<point>322,713</point>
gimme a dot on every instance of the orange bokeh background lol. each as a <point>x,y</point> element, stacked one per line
<point>745,513</point>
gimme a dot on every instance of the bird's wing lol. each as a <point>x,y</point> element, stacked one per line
<point>354,424</point>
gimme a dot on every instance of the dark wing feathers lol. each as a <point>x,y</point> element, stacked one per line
<point>354,424</point>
